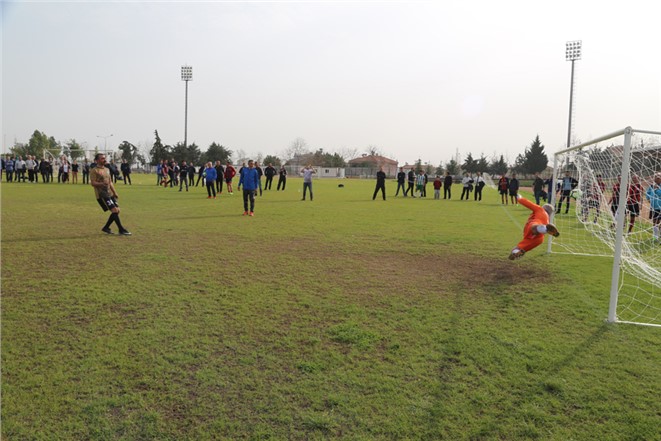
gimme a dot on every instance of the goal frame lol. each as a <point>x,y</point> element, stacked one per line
<point>627,133</point>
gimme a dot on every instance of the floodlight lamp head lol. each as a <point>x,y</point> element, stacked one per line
<point>186,73</point>
<point>573,50</point>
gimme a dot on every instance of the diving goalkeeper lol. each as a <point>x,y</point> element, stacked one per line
<point>536,226</point>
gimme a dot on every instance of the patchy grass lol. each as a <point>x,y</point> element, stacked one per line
<point>338,318</point>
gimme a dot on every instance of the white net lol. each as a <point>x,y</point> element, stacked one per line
<point>593,184</point>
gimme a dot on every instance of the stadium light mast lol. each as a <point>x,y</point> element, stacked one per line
<point>105,141</point>
<point>186,75</point>
<point>572,53</point>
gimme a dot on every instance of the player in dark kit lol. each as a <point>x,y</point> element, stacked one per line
<point>380,183</point>
<point>106,195</point>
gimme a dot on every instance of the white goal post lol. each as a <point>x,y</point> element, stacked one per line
<point>608,189</point>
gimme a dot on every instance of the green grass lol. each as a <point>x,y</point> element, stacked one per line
<point>339,318</point>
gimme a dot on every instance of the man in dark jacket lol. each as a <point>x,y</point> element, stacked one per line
<point>126,171</point>
<point>183,175</point>
<point>269,172</point>
<point>401,179</point>
<point>219,172</point>
<point>411,182</point>
<point>447,186</point>
<point>191,174</point>
<point>282,179</point>
<point>380,183</point>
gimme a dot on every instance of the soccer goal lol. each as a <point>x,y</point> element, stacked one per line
<point>603,209</point>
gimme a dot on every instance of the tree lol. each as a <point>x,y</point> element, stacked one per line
<point>270,159</point>
<point>37,144</point>
<point>482,164</point>
<point>19,149</point>
<point>452,167</point>
<point>159,151</point>
<point>373,150</point>
<point>440,170</point>
<point>418,166</point>
<point>73,149</point>
<point>470,164</point>
<point>217,152</point>
<point>519,164</point>
<point>179,152</point>
<point>129,151</point>
<point>498,166</point>
<point>535,160</point>
<point>193,154</point>
<point>298,147</point>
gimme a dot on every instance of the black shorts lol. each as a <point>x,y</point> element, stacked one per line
<point>593,204</point>
<point>633,209</point>
<point>228,180</point>
<point>513,192</point>
<point>655,215</point>
<point>108,203</point>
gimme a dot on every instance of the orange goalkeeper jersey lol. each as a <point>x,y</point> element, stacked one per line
<point>539,216</point>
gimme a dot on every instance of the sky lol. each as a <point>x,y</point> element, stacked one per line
<point>415,80</point>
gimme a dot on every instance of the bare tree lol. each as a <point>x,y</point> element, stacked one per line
<point>349,153</point>
<point>373,150</point>
<point>297,147</point>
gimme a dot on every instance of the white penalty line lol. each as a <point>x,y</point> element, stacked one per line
<point>514,221</point>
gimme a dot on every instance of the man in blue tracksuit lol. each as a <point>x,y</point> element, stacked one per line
<point>249,182</point>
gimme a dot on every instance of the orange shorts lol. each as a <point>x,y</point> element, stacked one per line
<point>530,239</point>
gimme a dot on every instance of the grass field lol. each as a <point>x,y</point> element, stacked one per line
<point>342,318</point>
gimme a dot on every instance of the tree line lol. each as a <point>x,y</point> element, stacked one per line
<point>531,161</point>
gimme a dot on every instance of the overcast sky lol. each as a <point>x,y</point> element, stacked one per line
<point>415,79</point>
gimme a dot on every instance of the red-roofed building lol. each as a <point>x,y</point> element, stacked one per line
<point>370,165</point>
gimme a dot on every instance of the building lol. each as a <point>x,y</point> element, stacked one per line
<point>367,165</point>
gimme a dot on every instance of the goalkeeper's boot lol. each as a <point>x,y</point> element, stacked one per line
<point>516,254</point>
<point>552,230</point>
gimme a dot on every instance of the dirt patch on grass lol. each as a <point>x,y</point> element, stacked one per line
<point>368,276</point>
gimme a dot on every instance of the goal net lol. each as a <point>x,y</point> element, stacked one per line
<point>605,195</point>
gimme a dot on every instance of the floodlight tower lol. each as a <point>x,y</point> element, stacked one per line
<point>186,75</point>
<point>572,53</point>
<point>105,141</point>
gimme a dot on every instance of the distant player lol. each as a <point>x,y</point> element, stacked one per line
<point>105,193</point>
<point>535,228</point>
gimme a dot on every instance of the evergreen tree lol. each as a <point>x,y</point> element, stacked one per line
<point>159,151</point>
<point>270,159</point>
<point>470,164</point>
<point>498,166</point>
<point>217,152</point>
<point>482,164</point>
<point>180,152</point>
<point>452,167</point>
<point>440,170</point>
<point>193,154</point>
<point>535,160</point>
<point>129,151</point>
